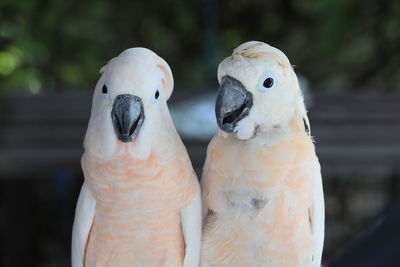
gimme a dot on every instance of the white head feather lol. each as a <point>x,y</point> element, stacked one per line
<point>139,72</point>
<point>273,108</point>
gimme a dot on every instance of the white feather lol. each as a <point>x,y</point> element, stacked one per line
<point>84,215</point>
<point>191,228</point>
<point>317,213</point>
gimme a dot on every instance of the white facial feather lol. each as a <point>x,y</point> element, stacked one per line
<point>273,108</point>
<point>139,72</point>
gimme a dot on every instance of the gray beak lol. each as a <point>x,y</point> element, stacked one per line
<point>233,103</point>
<point>127,116</point>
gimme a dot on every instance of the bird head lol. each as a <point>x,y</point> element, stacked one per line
<point>129,97</point>
<point>259,92</point>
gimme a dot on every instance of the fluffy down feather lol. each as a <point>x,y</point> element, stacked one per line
<point>143,196</point>
<point>261,187</point>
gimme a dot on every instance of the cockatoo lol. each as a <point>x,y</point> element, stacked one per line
<point>140,202</point>
<point>262,193</point>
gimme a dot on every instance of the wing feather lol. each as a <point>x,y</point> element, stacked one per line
<point>317,214</point>
<point>84,216</point>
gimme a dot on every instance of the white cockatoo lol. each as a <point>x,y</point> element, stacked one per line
<point>262,193</point>
<point>140,203</point>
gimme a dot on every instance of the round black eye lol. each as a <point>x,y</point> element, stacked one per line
<point>104,89</point>
<point>268,83</point>
<point>157,94</point>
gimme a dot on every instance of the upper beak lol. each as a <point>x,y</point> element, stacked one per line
<point>233,103</point>
<point>127,116</point>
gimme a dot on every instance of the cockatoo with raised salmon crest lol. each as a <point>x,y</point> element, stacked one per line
<point>262,193</point>
<point>140,202</point>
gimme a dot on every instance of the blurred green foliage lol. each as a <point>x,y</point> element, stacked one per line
<point>56,45</point>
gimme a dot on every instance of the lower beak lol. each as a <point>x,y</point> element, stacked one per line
<point>127,116</point>
<point>233,103</point>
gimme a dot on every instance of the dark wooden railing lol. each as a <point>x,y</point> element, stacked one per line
<point>354,133</point>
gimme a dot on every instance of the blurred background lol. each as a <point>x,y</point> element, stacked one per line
<point>346,53</point>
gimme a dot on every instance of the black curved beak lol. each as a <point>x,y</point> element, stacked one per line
<point>233,103</point>
<point>127,116</point>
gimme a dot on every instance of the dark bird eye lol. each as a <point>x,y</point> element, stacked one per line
<point>104,89</point>
<point>157,94</point>
<point>268,83</point>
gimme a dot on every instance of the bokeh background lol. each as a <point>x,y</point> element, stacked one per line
<point>346,52</point>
